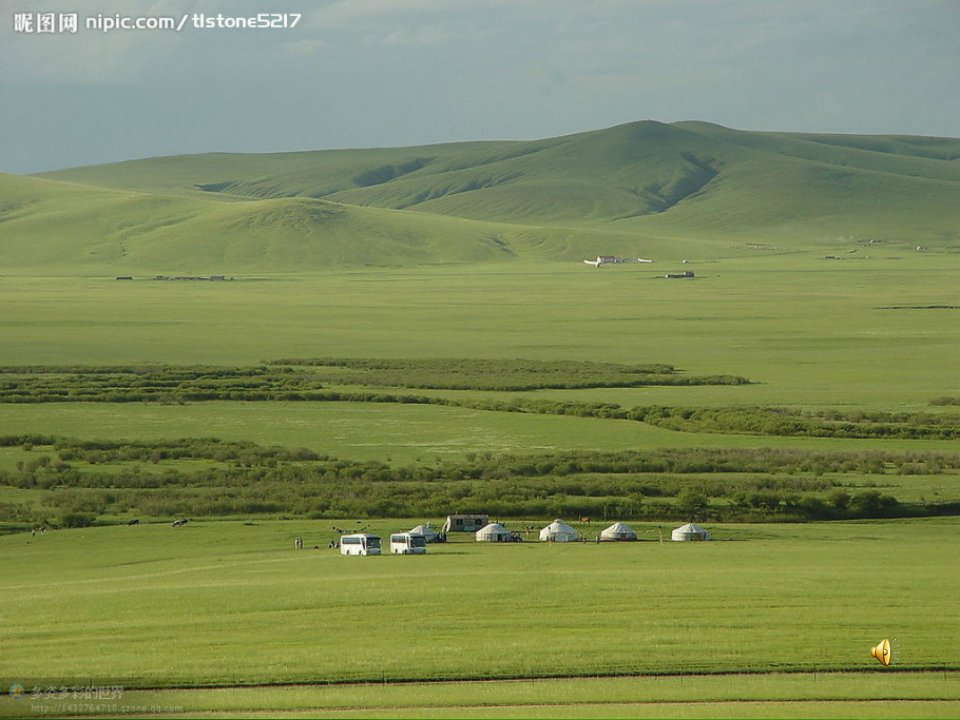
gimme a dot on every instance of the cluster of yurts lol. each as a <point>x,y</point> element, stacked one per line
<point>559,531</point>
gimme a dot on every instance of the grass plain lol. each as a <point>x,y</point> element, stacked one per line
<point>775,695</point>
<point>155,607</point>
<point>826,273</point>
<point>873,333</point>
<point>231,604</point>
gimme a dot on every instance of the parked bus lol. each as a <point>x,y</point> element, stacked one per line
<point>407,544</point>
<point>359,544</point>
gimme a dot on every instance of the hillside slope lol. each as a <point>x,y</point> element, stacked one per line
<point>681,186</point>
<point>63,227</point>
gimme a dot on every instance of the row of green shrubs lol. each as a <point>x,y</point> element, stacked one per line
<point>305,380</point>
<point>91,479</point>
<point>160,383</point>
<point>681,461</point>
<point>790,422</point>
<point>498,375</point>
<point>79,508</point>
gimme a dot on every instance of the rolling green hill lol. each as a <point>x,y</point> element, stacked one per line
<point>61,227</point>
<point>661,190</point>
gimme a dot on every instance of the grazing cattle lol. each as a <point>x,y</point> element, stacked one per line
<point>180,523</point>
<point>135,521</point>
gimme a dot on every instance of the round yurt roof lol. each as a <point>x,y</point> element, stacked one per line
<point>558,529</point>
<point>618,531</point>
<point>493,530</point>
<point>688,531</point>
<point>424,530</point>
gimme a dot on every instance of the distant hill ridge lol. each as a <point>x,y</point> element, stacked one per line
<point>668,189</point>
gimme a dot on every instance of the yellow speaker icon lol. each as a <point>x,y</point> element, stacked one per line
<point>882,652</point>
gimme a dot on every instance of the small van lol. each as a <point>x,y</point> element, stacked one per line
<point>408,544</point>
<point>359,544</point>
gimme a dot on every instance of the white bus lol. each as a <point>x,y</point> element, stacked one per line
<point>359,544</point>
<point>407,544</point>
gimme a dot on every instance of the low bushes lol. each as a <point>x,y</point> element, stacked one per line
<point>242,478</point>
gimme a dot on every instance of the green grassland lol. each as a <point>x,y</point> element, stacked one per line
<point>881,695</point>
<point>468,357</point>
<point>875,333</point>
<point>869,342</point>
<point>153,606</point>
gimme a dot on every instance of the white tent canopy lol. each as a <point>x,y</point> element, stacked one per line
<point>428,533</point>
<point>494,532</point>
<point>618,531</point>
<point>558,531</point>
<point>689,532</point>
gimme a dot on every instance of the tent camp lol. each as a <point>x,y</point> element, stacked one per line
<point>494,532</point>
<point>558,531</point>
<point>428,533</point>
<point>618,532</point>
<point>689,532</point>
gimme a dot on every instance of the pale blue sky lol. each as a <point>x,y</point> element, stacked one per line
<point>373,73</point>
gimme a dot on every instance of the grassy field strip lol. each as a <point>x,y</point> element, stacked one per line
<point>403,433</point>
<point>803,334</point>
<point>879,693</point>
<point>159,574</point>
<point>248,609</point>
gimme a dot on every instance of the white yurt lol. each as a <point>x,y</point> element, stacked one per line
<point>689,532</point>
<point>428,533</point>
<point>618,532</point>
<point>558,531</point>
<point>494,532</point>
